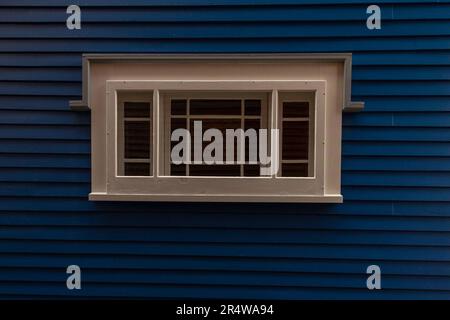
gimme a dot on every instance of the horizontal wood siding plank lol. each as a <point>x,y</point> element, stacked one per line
<point>65,3</point>
<point>53,59</point>
<point>269,251</point>
<point>46,289</point>
<point>159,218</point>
<point>368,73</point>
<point>203,236</point>
<point>226,45</point>
<point>136,263</point>
<point>350,12</point>
<point>215,30</point>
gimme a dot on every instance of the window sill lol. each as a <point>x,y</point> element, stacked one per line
<point>328,198</point>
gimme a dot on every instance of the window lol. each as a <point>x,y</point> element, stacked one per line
<point>222,111</point>
<point>217,111</point>
<point>223,129</point>
<point>282,114</point>
<point>297,134</point>
<point>134,134</point>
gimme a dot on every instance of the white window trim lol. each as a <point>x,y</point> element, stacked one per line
<point>342,57</point>
<point>333,68</point>
<point>161,187</point>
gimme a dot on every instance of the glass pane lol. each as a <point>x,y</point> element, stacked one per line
<point>219,124</point>
<point>137,169</point>
<point>214,170</point>
<point>177,169</point>
<point>215,107</point>
<point>294,169</point>
<point>293,109</point>
<point>178,107</point>
<point>252,107</point>
<point>256,125</point>
<point>136,109</point>
<point>251,170</point>
<point>137,139</point>
<point>295,140</point>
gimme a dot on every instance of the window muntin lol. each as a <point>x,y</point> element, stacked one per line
<point>215,110</point>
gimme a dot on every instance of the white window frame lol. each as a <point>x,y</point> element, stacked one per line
<point>334,69</point>
<point>204,188</point>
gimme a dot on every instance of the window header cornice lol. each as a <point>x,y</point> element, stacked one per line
<point>345,58</point>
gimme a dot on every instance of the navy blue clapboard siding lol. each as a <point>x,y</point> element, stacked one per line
<point>395,158</point>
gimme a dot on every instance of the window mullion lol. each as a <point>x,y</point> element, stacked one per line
<point>275,124</point>
<point>241,166</point>
<point>155,138</point>
<point>188,126</point>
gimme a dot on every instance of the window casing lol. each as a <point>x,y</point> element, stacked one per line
<point>311,174</point>
<point>161,183</point>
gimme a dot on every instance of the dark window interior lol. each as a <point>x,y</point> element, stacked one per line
<point>136,136</point>
<point>220,114</point>
<point>295,139</point>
